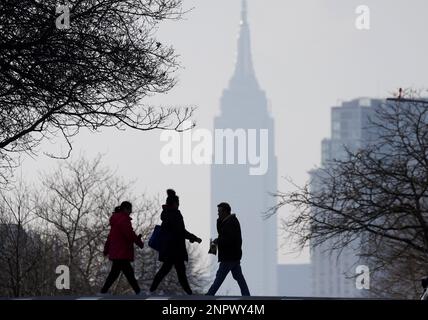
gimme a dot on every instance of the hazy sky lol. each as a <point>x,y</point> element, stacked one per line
<point>308,56</point>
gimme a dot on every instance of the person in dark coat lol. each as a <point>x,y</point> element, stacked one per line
<point>119,247</point>
<point>229,243</point>
<point>173,246</point>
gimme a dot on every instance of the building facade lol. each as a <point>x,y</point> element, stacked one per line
<point>333,272</point>
<point>244,111</point>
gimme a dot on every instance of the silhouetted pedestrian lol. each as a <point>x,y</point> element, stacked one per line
<point>120,247</point>
<point>173,245</point>
<point>229,243</point>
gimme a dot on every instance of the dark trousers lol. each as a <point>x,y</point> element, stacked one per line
<point>224,268</point>
<point>117,267</point>
<point>180,268</point>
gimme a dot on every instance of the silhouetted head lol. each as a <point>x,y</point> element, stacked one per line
<point>126,206</point>
<point>117,209</point>
<point>224,210</point>
<point>172,199</point>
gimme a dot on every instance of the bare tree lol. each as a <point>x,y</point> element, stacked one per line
<point>76,203</point>
<point>56,81</point>
<point>65,221</point>
<point>376,197</point>
<point>396,272</point>
<point>26,264</point>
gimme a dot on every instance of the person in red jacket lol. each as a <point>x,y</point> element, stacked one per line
<point>120,247</point>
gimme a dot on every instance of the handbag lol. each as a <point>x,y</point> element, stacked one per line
<point>155,240</point>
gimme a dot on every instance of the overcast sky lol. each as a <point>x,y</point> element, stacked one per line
<point>308,56</point>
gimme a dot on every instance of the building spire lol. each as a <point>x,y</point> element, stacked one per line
<point>244,12</point>
<point>244,70</point>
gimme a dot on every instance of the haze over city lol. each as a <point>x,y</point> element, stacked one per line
<point>308,57</point>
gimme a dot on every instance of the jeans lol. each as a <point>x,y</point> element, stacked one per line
<point>180,268</point>
<point>125,267</point>
<point>223,270</point>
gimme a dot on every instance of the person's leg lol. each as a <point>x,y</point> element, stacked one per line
<point>112,276</point>
<point>128,271</point>
<point>222,272</point>
<point>163,271</point>
<point>239,277</point>
<point>180,268</point>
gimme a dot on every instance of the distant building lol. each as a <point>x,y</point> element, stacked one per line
<point>350,127</point>
<point>244,107</point>
<point>333,273</point>
<point>294,280</point>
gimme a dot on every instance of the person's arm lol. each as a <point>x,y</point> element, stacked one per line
<point>230,235</point>
<point>170,223</point>
<point>181,229</point>
<point>107,246</point>
<point>238,234</point>
<point>191,237</point>
<point>130,235</point>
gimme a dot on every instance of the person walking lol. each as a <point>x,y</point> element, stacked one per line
<point>173,245</point>
<point>119,247</point>
<point>229,244</point>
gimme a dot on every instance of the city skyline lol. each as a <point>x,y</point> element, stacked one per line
<point>303,72</point>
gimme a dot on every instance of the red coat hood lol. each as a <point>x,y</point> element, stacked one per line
<point>118,218</point>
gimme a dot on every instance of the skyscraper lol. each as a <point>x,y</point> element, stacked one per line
<point>333,271</point>
<point>244,108</point>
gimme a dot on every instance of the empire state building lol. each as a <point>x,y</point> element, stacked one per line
<point>244,110</point>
